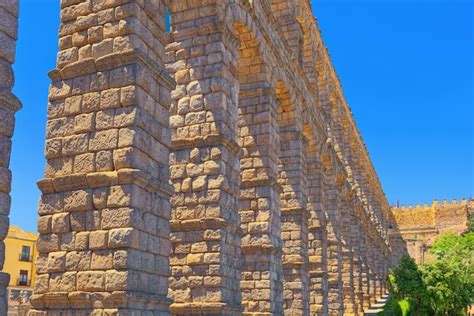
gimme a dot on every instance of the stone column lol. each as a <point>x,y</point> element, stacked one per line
<point>382,265</point>
<point>104,211</point>
<point>347,271</point>
<point>259,204</point>
<point>366,286</point>
<point>358,297</point>
<point>357,263</point>
<point>335,293</point>
<point>9,104</point>
<point>365,276</point>
<point>317,240</point>
<point>294,220</point>
<point>385,271</point>
<point>373,265</point>
<point>206,237</point>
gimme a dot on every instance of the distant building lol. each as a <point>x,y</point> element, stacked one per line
<point>421,225</point>
<point>20,264</point>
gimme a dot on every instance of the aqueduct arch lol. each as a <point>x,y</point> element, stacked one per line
<point>274,206</point>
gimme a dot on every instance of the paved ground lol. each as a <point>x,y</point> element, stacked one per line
<point>378,306</point>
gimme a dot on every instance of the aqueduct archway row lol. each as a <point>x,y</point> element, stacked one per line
<point>274,207</point>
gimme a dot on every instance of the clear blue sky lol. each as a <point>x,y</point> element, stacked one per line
<point>406,68</point>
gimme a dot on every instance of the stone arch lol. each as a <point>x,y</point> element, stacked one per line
<point>286,14</point>
<point>252,68</point>
<point>310,52</point>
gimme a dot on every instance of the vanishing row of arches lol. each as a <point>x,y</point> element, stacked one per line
<point>285,162</point>
<point>274,207</point>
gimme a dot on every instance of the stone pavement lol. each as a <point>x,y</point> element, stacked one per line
<point>378,306</point>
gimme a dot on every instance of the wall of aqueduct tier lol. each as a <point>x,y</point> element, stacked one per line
<point>274,208</point>
<point>9,104</point>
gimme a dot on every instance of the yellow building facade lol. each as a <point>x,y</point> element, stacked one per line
<point>20,254</point>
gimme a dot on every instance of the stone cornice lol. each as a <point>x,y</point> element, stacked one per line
<point>103,179</point>
<point>113,60</point>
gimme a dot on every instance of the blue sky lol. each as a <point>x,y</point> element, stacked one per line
<point>406,67</point>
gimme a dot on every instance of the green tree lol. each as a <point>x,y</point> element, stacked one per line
<point>405,282</point>
<point>449,292</point>
<point>456,247</point>
<point>444,286</point>
<point>450,278</point>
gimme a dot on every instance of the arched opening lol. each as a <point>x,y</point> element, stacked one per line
<point>286,15</point>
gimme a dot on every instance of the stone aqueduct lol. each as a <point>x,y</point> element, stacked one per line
<point>274,206</point>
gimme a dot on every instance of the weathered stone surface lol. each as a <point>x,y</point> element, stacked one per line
<point>275,207</point>
<point>104,213</point>
<point>9,104</point>
<point>420,225</point>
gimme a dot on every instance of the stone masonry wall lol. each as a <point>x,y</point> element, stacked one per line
<point>420,225</point>
<point>104,211</point>
<point>256,92</point>
<point>9,104</point>
<point>274,208</point>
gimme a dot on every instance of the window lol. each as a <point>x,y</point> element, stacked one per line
<point>23,279</point>
<point>25,253</point>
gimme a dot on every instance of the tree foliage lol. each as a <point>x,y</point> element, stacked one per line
<point>450,278</point>
<point>444,286</point>
<point>405,282</point>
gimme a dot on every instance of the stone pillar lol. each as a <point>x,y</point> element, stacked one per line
<point>206,237</point>
<point>382,265</point>
<point>262,273</point>
<point>373,267</point>
<point>9,104</point>
<point>317,240</point>
<point>365,275</point>
<point>335,293</point>
<point>385,271</point>
<point>358,295</point>
<point>366,286</point>
<point>294,220</point>
<point>357,262</point>
<point>347,271</point>
<point>347,280</point>
<point>373,293</point>
<point>104,211</point>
